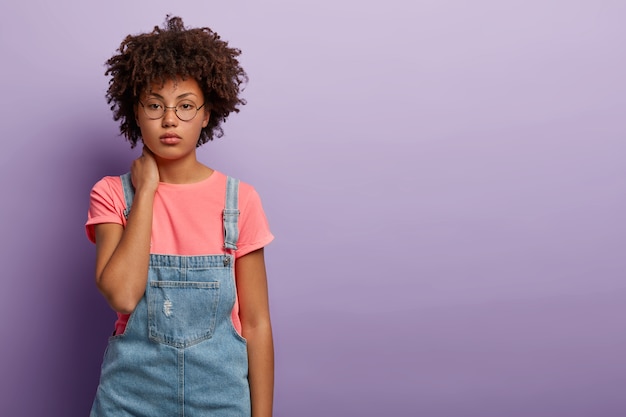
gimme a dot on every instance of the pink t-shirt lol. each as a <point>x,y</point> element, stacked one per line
<point>187,220</point>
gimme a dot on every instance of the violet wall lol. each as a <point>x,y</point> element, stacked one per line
<point>445,180</point>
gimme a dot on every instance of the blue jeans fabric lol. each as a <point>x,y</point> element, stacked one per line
<point>180,354</point>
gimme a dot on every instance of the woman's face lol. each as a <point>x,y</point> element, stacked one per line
<point>159,113</point>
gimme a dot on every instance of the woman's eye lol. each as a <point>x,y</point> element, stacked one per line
<point>186,106</point>
<point>154,106</point>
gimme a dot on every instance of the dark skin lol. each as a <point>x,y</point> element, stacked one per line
<point>170,52</point>
<point>122,254</point>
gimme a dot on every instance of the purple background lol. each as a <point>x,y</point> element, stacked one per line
<point>445,180</point>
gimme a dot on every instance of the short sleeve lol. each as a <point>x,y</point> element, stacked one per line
<point>106,205</point>
<point>254,231</point>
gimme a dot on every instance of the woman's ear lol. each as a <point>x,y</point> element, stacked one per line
<point>205,119</point>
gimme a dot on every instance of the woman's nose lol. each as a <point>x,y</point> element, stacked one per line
<point>169,117</point>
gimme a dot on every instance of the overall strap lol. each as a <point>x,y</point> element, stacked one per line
<point>129,192</point>
<point>231,214</point>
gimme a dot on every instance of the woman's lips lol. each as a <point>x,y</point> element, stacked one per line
<point>170,139</point>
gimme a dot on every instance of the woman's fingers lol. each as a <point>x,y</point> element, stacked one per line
<point>144,170</point>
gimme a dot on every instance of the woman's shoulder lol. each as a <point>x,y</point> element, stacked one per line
<point>108,187</point>
<point>108,182</point>
<point>246,190</point>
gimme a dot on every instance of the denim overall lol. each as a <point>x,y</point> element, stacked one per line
<point>180,354</point>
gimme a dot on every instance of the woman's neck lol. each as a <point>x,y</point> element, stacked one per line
<point>182,172</point>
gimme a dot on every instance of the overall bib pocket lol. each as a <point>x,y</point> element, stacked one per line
<point>182,313</point>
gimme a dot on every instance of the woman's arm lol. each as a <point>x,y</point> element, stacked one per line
<point>257,330</point>
<point>123,255</point>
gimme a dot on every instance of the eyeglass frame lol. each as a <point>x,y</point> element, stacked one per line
<point>175,111</point>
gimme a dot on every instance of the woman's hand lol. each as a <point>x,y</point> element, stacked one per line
<point>144,171</point>
<point>123,255</point>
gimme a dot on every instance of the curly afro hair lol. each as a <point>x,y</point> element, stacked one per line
<point>167,54</point>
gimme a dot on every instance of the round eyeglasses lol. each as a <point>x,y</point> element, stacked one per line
<point>185,110</point>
